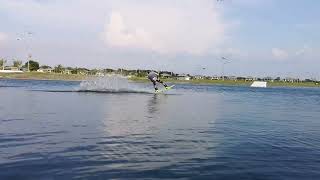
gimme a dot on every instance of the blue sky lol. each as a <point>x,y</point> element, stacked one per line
<point>259,37</point>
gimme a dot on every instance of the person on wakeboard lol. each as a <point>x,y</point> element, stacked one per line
<point>154,78</point>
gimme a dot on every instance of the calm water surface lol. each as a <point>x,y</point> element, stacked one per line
<point>51,130</point>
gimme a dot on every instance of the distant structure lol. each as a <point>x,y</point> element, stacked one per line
<point>11,69</point>
<point>45,70</point>
<point>260,84</point>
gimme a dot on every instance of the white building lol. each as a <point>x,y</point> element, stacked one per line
<point>10,69</point>
<point>183,77</point>
<point>45,70</point>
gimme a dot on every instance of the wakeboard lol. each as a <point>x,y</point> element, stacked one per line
<point>165,89</point>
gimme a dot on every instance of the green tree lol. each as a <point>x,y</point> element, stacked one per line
<point>142,73</point>
<point>108,70</point>
<point>74,71</point>
<point>2,63</point>
<point>45,67</point>
<point>93,71</point>
<point>17,63</point>
<point>33,65</point>
<point>58,69</point>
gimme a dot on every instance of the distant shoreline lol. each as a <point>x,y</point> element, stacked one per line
<point>231,82</point>
<point>35,79</point>
<point>76,77</point>
<point>43,76</point>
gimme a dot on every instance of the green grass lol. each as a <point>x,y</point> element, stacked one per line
<point>294,84</point>
<point>231,82</point>
<point>43,76</point>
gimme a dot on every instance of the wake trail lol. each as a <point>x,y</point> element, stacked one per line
<point>110,84</point>
<point>107,91</point>
<point>107,84</point>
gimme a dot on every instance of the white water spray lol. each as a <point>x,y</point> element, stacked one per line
<point>112,83</point>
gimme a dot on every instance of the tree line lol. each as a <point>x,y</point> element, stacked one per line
<point>33,65</point>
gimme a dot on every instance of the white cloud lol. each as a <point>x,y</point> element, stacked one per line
<point>279,53</point>
<point>166,27</point>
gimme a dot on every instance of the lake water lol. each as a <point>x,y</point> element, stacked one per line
<point>111,129</point>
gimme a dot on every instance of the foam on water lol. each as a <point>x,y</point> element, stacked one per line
<point>111,83</point>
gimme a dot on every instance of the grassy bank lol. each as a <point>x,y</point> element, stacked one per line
<point>294,84</point>
<point>232,83</point>
<point>43,76</point>
<point>76,77</point>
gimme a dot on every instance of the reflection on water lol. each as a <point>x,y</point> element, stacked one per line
<point>153,104</point>
<point>144,129</point>
<point>195,132</point>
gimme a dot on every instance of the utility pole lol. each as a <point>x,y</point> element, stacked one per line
<point>224,61</point>
<point>29,58</point>
<point>25,37</point>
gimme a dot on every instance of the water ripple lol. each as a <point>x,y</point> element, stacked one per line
<point>207,132</point>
